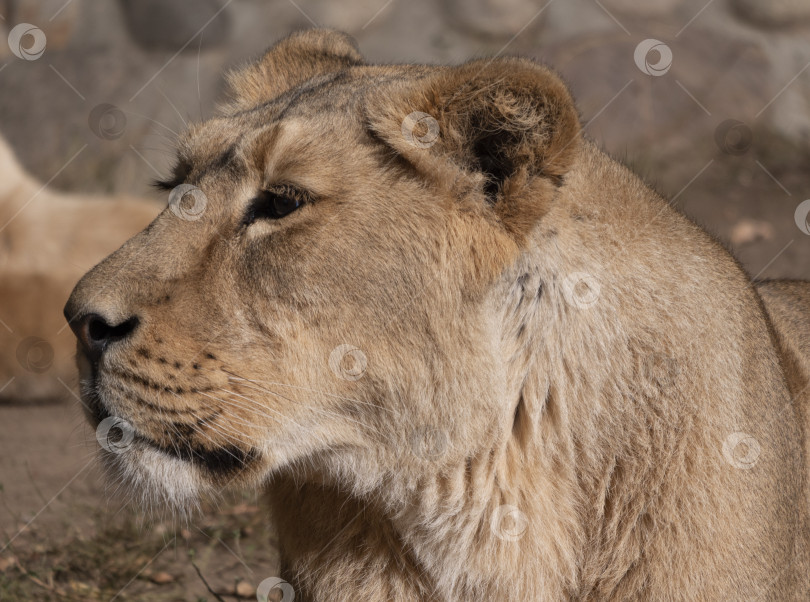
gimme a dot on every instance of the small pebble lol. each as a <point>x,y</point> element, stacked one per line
<point>749,230</point>
<point>161,578</point>
<point>245,590</point>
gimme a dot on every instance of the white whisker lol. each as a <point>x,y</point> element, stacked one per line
<point>270,382</point>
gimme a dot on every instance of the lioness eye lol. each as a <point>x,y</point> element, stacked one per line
<point>273,204</point>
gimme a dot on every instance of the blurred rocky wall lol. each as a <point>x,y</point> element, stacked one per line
<point>709,100</point>
<point>122,77</point>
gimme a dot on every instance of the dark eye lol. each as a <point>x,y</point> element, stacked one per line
<point>273,204</point>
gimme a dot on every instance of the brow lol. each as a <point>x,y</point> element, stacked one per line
<point>224,161</point>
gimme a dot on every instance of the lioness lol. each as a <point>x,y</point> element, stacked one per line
<point>468,354</point>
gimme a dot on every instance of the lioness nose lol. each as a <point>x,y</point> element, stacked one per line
<point>95,334</point>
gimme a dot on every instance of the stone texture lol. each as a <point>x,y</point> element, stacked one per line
<point>107,51</point>
<point>711,77</point>
<point>4,50</point>
<point>649,8</point>
<point>774,13</point>
<point>494,18</point>
<point>176,24</point>
<point>59,15</point>
<point>351,18</point>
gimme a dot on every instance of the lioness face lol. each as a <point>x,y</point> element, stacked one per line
<point>320,298</point>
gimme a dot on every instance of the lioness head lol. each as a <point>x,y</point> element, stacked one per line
<point>325,291</point>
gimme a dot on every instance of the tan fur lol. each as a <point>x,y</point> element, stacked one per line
<point>788,305</point>
<point>48,240</point>
<point>491,383</point>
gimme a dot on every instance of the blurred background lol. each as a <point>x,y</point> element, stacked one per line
<point>708,100</point>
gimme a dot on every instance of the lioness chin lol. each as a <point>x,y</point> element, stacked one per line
<point>468,355</point>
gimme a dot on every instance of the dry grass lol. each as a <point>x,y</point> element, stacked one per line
<point>122,557</point>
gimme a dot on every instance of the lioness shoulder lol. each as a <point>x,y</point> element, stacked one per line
<point>788,305</point>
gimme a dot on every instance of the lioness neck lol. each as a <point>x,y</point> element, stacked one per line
<point>603,476</point>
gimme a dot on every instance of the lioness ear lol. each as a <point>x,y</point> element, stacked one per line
<point>290,62</point>
<point>506,130</point>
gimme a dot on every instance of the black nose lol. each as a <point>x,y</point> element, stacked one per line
<point>95,334</point>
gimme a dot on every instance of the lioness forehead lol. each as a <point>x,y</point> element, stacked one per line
<point>322,104</point>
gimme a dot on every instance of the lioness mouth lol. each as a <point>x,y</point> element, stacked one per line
<point>222,462</point>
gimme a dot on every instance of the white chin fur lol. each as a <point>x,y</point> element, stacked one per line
<point>154,481</point>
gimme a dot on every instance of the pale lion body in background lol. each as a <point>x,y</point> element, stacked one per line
<point>48,240</point>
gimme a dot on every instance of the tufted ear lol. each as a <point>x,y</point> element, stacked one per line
<point>290,62</point>
<point>505,131</point>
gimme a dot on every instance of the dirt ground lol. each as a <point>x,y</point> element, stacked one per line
<point>66,536</point>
